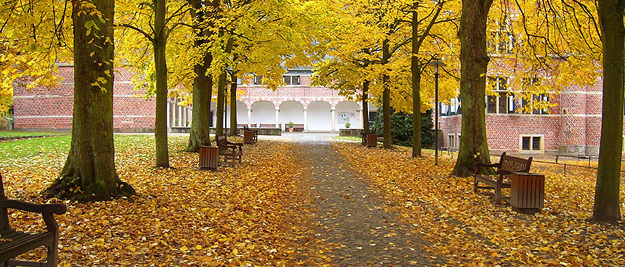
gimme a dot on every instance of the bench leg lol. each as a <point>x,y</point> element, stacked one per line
<point>475,185</point>
<point>497,193</point>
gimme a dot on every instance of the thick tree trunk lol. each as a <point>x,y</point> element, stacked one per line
<point>89,172</point>
<point>416,87</point>
<point>202,90</point>
<point>474,61</point>
<point>233,105</point>
<point>607,208</point>
<point>386,96</point>
<point>221,97</point>
<point>365,106</point>
<point>160,63</point>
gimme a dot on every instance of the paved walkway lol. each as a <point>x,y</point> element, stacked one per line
<point>350,214</point>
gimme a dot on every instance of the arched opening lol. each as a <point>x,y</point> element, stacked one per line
<point>241,113</point>
<point>263,112</point>
<point>347,112</point>
<point>291,111</point>
<point>319,117</point>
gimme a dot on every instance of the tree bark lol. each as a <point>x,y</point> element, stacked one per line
<point>365,106</point>
<point>606,206</point>
<point>89,172</point>
<point>221,97</point>
<point>474,61</point>
<point>202,88</point>
<point>233,105</point>
<point>160,63</point>
<point>416,86</point>
<point>386,96</point>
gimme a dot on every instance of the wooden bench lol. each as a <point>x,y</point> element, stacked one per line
<point>14,243</point>
<point>228,150</point>
<point>505,167</point>
<point>298,127</point>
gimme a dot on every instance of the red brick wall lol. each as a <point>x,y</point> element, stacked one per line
<point>51,108</point>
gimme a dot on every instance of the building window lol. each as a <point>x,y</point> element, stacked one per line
<point>502,101</point>
<point>501,40</point>
<point>258,80</point>
<point>532,143</point>
<point>532,102</point>
<point>291,79</point>
<point>452,108</point>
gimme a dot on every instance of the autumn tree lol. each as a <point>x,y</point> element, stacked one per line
<point>164,18</point>
<point>474,63</point>
<point>89,172</point>
<point>607,190</point>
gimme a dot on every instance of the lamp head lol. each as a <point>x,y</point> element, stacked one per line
<point>436,63</point>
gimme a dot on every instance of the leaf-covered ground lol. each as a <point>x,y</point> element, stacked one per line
<point>466,227</point>
<point>256,213</point>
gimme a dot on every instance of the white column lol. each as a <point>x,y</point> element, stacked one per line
<point>180,115</point>
<point>168,116</point>
<point>305,119</point>
<point>249,117</point>
<point>277,117</point>
<point>361,125</point>
<point>333,119</point>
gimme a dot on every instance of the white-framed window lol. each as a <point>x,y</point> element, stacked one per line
<point>258,80</point>
<point>451,140</point>
<point>452,108</point>
<point>531,143</point>
<point>291,79</point>
<point>502,101</point>
<point>532,100</point>
<point>501,40</point>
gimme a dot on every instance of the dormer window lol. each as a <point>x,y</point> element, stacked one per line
<point>291,79</point>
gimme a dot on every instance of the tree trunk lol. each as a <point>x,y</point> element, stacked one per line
<point>606,207</point>
<point>233,105</point>
<point>89,172</point>
<point>474,61</point>
<point>202,89</point>
<point>221,97</point>
<point>416,87</point>
<point>160,64</point>
<point>386,96</point>
<point>365,106</point>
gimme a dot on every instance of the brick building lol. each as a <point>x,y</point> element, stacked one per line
<point>317,109</point>
<point>573,126</point>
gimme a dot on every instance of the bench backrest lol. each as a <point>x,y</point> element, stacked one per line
<point>514,164</point>
<point>4,215</point>
<point>221,140</point>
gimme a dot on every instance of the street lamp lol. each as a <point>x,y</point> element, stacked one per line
<point>437,64</point>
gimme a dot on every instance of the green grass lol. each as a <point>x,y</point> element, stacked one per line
<point>32,147</point>
<point>53,150</point>
<point>12,134</point>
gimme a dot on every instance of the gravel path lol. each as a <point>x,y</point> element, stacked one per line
<point>351,217</point>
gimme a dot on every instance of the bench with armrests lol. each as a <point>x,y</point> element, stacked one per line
<point>230,151</point>
<point>506,165</point>
<point>14,243</point>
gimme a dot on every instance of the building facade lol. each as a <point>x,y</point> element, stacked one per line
<point>313,108</point>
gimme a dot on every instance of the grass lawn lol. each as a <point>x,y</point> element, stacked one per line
<point>17,134</point>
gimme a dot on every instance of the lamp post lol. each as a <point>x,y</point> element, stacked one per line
<point>437,64</point>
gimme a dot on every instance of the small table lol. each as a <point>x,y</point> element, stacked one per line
<point>527,190</point>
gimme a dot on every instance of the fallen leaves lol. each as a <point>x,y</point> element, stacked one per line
<point>467,227</point>
<point>253,214</point>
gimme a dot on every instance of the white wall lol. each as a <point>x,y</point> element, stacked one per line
<point>263,112</point>
<point>319,116</point>
<point>291,111</point>
<point>347,112</point>
<point>241,113</point>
